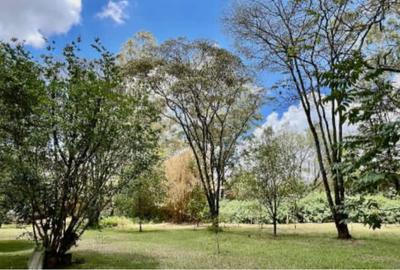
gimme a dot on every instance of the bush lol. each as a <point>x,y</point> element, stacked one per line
<point>313,208</point>
<point>236,211</point>
<point>374,210</point>
<point>116,222</point>
<point>361,209</point>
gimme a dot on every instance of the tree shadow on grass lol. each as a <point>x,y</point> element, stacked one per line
<point>267,234</point>
<point>129,230</point>
<point>90,259</point>
<point>15,245</point>
<point>19,261</point>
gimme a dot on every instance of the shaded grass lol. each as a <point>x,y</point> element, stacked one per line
<point>15,245</point>
<point>162,246</point>
<point>14,253</point>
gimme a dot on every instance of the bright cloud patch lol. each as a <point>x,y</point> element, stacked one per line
<point>115,11</point>
<point>34,20</point>
<point>294,120</point>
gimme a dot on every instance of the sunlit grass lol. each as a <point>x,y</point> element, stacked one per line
<point>244,246</point>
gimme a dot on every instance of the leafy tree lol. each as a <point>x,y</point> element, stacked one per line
<point>69,130</point>
<point>274,160</point>
<point>197,205</point>
<point>242,185</point>
<point>207,91</point>
<point>373,105</point>
<point>306,39</point>
<point>142,197</point>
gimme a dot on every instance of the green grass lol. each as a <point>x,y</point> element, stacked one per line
<point>164,246</point>
<point>14,253</point>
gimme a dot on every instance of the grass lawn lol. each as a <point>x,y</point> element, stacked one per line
<point>169,246</point>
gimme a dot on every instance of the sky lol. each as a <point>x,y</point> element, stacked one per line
<point>115,21</point>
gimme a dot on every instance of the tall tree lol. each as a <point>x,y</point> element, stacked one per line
<point>71,128</point>
<point>372,154</point>
<point>305,39</point>
<point>208,92</point>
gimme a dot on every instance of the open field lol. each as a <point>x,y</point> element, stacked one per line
<point>246,246</point>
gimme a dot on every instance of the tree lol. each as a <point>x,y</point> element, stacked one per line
<point>242,185</point>
<point>208,92</point>
<point>305,39</point>
<point>142,197</point>
<point>197,205</point>
<point>371,155</point>
<point>70,128</point>
<point>276,164</point>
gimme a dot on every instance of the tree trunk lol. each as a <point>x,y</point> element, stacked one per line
<point>215,223</point>
<point>341,227</point>
<point>140,225</point>
<point>274,223</point>
<point>54,260</point>
<point>94,219</point>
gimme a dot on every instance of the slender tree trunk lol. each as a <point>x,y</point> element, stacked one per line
<point>94,219</point>
<point>274,223</point>
<point>140,225</point>
<point>396,182</point>
<point>215,220</point>
<point>215,228</point>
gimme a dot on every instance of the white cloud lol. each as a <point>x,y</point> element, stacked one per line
<point>294,120</point>
<point>34,20</point>
<point>115,11</point>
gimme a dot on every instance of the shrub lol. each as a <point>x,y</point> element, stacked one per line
<point>116,222</point>
<point>313,208</point>
<point>236,211</point>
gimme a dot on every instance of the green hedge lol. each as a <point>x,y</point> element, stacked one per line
<point>236,211</point>
<point>313,208</point>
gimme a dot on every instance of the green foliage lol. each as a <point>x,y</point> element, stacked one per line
<point>197,207</point>
<point>242,186</point>
<point>116,222</point>
<point>369,99</point>
<point>314,208</point>
<point>374,210</point>
<point>69,128</point>
<point>143,195</point>
<point>249,211</point>
<point>371,210</point>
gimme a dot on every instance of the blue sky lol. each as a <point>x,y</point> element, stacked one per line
<point>164,18</point>
<point>194,19</point>
<point>115,21</point>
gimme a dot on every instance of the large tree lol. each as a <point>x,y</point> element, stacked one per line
<point>306,39</point>
<point>209,93</point>
<point>70,129</point>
